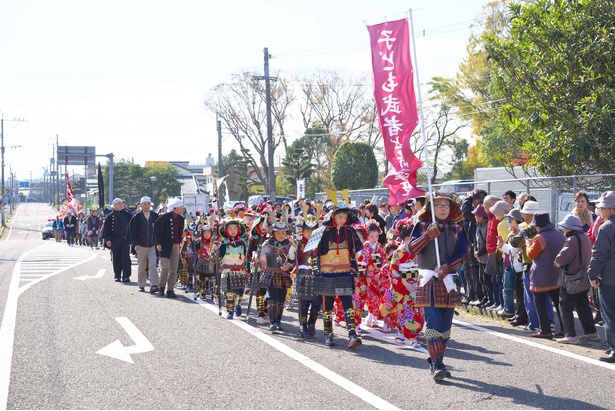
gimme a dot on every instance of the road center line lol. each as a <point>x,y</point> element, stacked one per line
<point>335,378</point>
<point>536,345</point>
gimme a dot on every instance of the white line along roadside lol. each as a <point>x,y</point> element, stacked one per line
<point>335,378</point>
<point>7,329</point>
<point>536,345</point>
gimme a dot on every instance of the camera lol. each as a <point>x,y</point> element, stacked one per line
<point>529,232</point>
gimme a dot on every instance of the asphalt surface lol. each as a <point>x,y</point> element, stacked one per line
<point>200,360</point>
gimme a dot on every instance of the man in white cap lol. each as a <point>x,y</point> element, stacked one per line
<point>115,235</point>
<point>142,237</point>
<point>169,228</point>
<point>602,270</point>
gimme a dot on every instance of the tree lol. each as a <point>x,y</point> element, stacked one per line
<point>298,164</point>
<point>354,167</point>
<point>555,72</point>
<point>241,106</point>
<point>131,182</point>
<point>235,166</point>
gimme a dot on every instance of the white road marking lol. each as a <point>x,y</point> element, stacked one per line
<point>388,338</point>
<point>335,378</point>
<point>536,345</point>
<point>99,274</point>
<point>9,319</point>
<point>118,351</point>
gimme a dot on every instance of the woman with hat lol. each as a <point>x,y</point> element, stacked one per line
<point>233,265</point>
<point>544,275</point>
<point>572,258</point>
<point>513,262</point>
<point>277,256</point>
<point>305,278</point>
<point>437,292</point>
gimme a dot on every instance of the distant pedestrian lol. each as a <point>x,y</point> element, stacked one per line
<point>70,227</point>
<point>58,228</point>
<point>93,225</point>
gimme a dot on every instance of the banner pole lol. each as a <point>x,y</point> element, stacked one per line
<point>422,117</point>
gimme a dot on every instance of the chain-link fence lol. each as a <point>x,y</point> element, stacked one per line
<point>553,194</point>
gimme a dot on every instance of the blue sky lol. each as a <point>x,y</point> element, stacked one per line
<point>129,76</point>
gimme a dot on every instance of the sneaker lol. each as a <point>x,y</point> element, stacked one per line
<point>438,372</point>
<point>141,289</point>
<point>312,329</point>
<point>516,323</point>
<point>567,340</point>
<point>354,341</point>
<point>528,329</point>
<point>229,315</point>
<point>475,303</point>
<point>504,314</point>
<point>590,337</point>
<point>273,327</point>
<point>161,292</point>
<point>278,326</point>
<point>153,289</point>
<point>261,320</point>
<point>329,340</point>
<point>171,294</point>
<point>238,310</point>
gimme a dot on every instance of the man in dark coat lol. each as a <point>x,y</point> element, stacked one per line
<point>142,237</point>
<point>115,232</point>
<point>168,230</point>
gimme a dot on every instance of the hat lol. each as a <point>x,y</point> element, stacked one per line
<point>541,219</point>
<point>606,200</point>
<point>117,200</point>
<point>309,222</point>
<point>479,211</point>
<point>572,222</point>
<point>530,207</point>
<point>516,214</point>
<point>145,199</point>
<point>500,208</point>
<point>174,203</point>
<point>280,226</point>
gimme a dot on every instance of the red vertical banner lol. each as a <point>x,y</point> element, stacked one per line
<point>70,195</point>
<point>396,105</point>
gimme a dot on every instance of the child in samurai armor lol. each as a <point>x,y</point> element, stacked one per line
<point>187,261</point>
<point>359,296</point>
<point>404,276</point>
<point>305,278</point>
<point>233,265</point>
<point>258,235</point>
<point>205,260</point>
<point>276,260</point>
<point>337,254</point>
<point>371,257</point>
<point>437,290</point>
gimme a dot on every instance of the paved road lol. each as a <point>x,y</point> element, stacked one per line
<point>178,354</point>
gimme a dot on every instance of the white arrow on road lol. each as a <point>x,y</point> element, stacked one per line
<point>118,351</point>
<point>99,274</point>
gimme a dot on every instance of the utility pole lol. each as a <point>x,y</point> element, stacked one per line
<point>270,145</point>
<point>219,128</point>
<point>2,150</point>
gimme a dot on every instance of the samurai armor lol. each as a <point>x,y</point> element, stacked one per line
<point>232,280</point>
<point>335,284</point>
<point>305,284</point>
